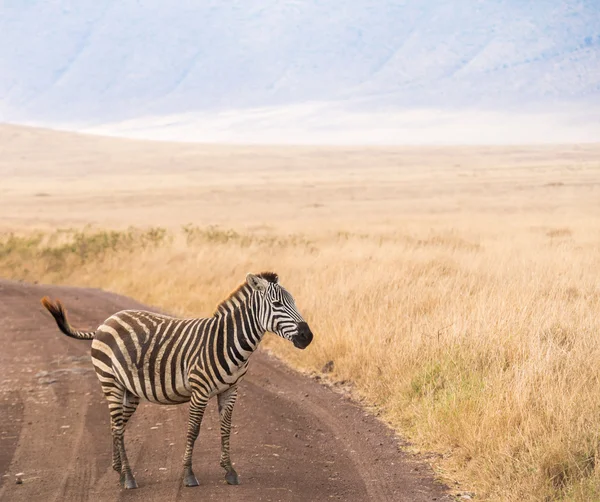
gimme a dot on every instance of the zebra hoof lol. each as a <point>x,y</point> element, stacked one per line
<point>190,480</point>
<point>128,482</point>
<point>232,478</point>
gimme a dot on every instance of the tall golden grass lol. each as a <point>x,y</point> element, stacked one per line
<point>478,338</point>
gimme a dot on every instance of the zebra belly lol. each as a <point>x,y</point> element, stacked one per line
<point>229,381</point>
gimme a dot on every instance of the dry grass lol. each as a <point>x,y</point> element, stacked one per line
<point>469,315</point>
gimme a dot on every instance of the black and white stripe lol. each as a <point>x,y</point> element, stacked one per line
<point>167,360</point>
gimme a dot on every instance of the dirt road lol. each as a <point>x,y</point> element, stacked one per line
<point>293,438</point>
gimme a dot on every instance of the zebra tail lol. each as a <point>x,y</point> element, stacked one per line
<point>60,316</point>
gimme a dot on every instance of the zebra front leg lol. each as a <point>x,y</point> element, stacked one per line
<point>197,407</point>
<point>226,402</point>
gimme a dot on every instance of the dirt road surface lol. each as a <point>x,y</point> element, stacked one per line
<point>293,439</point>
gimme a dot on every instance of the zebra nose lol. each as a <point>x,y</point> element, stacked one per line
<point>303,329</point>
<point>305,335</point>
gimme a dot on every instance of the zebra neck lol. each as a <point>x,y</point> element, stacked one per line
<point>239,317</point>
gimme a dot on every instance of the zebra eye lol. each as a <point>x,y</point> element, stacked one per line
<point>277,304</point>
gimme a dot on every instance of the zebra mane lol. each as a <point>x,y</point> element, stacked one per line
<point>269,276</point>
<point>242,292</point>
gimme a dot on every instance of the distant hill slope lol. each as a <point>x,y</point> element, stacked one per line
<point>93,62</point>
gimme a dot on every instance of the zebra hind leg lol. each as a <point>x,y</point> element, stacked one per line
<point>197,406</point>
<point>115,395</point>
<point>226,402</point>
<point>130,404</point>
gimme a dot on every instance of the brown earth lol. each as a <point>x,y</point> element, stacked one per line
<point>293,439</point>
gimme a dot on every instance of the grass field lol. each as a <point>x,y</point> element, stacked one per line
<point>457,289</point>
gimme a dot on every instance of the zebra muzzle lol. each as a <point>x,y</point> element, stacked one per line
<point>303,337</point>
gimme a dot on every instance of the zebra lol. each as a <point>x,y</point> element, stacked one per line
<point>167,360</point>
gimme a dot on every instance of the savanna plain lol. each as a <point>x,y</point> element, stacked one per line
<point>455,289</point>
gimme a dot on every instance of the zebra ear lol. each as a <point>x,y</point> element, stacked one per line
<point>256,283</point>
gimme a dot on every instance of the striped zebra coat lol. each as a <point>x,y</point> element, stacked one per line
<point>167,360</point>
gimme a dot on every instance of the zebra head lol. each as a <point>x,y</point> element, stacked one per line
<point>277,310</point>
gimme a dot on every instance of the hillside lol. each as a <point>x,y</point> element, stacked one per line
<point>89,63</point>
